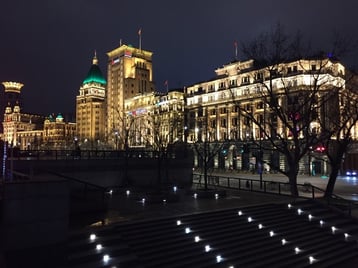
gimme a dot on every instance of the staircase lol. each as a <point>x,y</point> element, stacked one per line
<point>301,234</point>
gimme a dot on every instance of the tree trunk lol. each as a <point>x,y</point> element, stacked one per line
<point>293,186</point>
<point>332,181</point>
<point>292,178</point>
<point>159,178</point>
<point>205,174</point>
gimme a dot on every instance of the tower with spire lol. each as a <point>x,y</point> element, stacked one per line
<point>90,108</point>
<point>129,75</point>
<point>10,97</point>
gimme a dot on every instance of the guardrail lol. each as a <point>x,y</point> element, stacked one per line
<point>87,186</point>
<point>275,187</point>
<point>83,154</point>
<point>305,190</point>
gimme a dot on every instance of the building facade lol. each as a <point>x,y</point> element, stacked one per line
<point>9,97</point>
<point>15,123</point>
<point>215,107</point>
<point>91,109</point>
<point>155,119</point>
<point>130,74</point>
<point>58,134</point>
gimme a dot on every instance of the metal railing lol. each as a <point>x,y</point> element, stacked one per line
<point>275,187</point>
<point>85,154</point>
<point>305,190</point>
<point>84,186</point>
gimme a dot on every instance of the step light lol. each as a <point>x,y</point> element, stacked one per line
<point>207,248</point>
<point>105,258</point>
<point>197,239</point>
<point>333,229</point>
<point>178,222</point>
<point>92,237</point>
<point>187,230</point>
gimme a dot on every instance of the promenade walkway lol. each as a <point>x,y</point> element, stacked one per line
<point>239,229</point>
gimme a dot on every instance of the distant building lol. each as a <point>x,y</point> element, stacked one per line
<point>130,74</point>
<point>15,124</point>
<point>91,109</point>
<point>58,134</point>
<point>154,119</point>
<point>10,97</point>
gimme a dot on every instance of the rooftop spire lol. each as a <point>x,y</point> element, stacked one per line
<point>95,60</point>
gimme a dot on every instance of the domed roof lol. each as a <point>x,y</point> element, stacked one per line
<point>59,116</point>
<point>94,74</point>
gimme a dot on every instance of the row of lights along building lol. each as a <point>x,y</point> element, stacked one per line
<point>126,110</point>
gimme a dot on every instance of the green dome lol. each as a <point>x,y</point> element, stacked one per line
<point>95,75</point>
<point>59,116</point>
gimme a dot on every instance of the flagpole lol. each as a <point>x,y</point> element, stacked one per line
<point>166,85</point>
<point>235,44</point>
<point>140,38</point>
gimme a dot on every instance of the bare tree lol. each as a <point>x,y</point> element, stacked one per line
<point>122,135</point>
<point>159,140</point>
<point>338,127</point>
<point>207,147</point>
<point>290,85</point>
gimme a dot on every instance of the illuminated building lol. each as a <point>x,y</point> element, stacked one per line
<point>169,116</point>
<point>58,134</point>
<point>139,111</point>
<point>213,107</point>
<point>129,75</point>
<point>155,119</point>
<point>30,139</point>
<point>11,96</point>
<point>16,123</point>
<point>90,108</point>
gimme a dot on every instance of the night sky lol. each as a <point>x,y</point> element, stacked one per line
<point>49,45</point>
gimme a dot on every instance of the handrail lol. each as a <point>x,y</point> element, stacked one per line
<point>307,190</point>
<point>86,154</point>
<point>85,183</point>
<point>252,184</point>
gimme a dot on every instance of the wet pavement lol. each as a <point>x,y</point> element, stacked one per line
<point>126,207</point>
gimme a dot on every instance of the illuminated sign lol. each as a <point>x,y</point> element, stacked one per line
<point>115,60</point>
<point>137,112</point>
<point>128,53</point>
